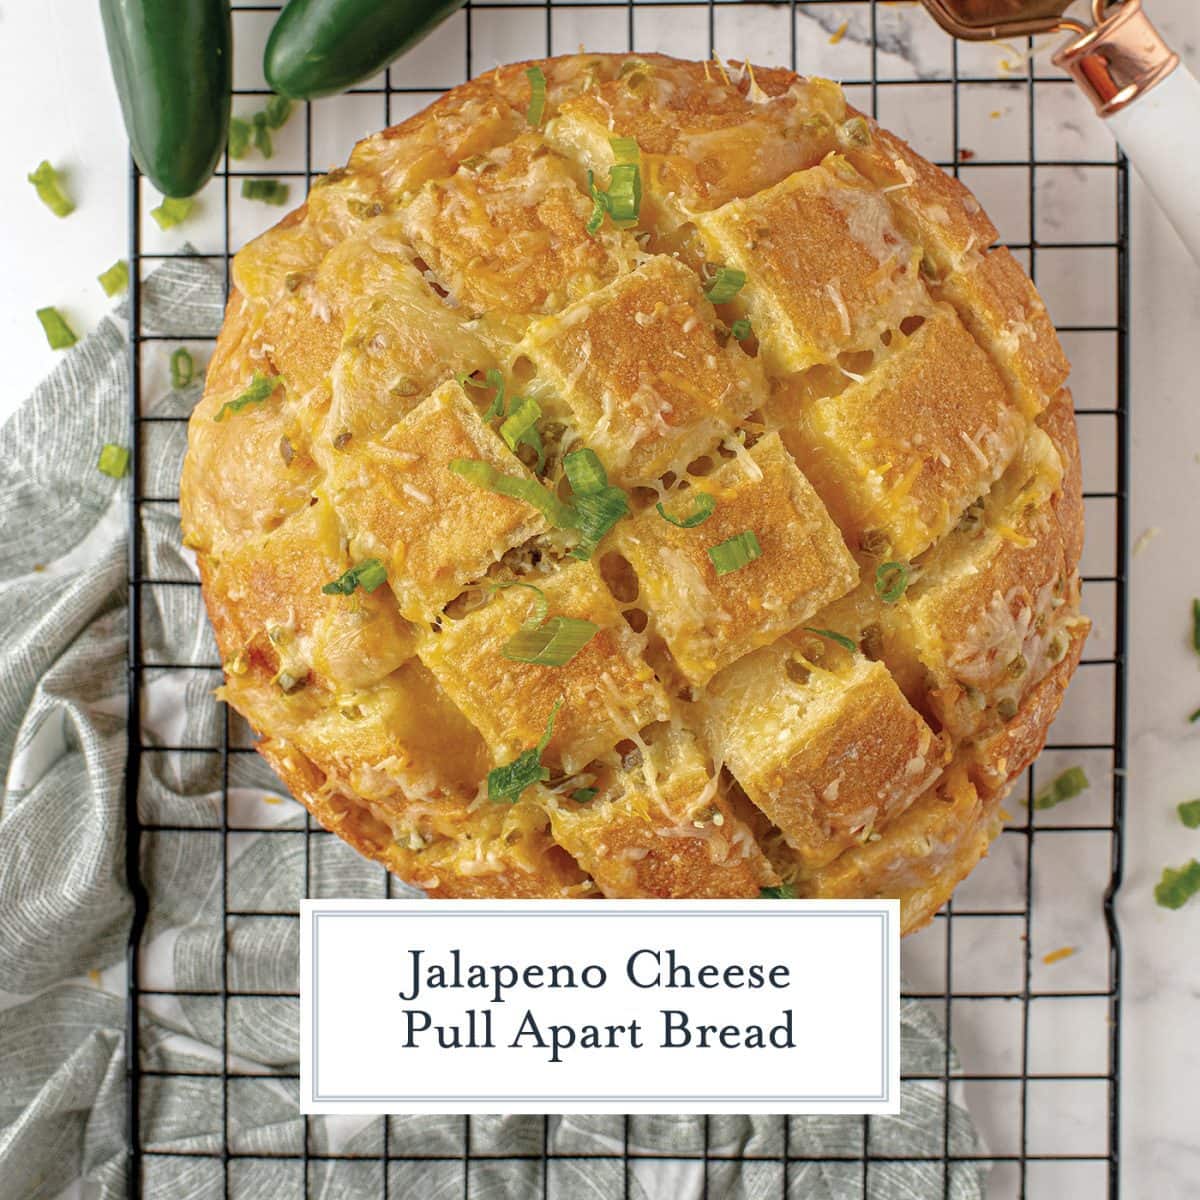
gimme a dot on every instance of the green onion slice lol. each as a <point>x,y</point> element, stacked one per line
<point>735,553</point>
<point>58,333</point>
<point>1177,887</point>
<point>484,475</point>
<point>261,388</point>
<point>583,795</point>
<point>624,192</point>
<point>262,135</point>
<point>368,575</point>
<point>625,149</point>
<point>520,427</point>
<point>706,504</point>
<point>585,472</point>
<point>183,369</point>
<point>239,137</point>
<point>785,891</point>
<point>172,211</point>
<point>553,644</point>
<point>48,184</point>
<point>599,205</point>
<point>115,279</point>
<point>269,191</point>
<point>1196,626</point>
<point>595,514</point>
<point>1066,786</point>
<point>891,580</point>
<point>1189,813</point>
<point>832,635</point>
<point>506,783</point>
<point>741,329</point>
<point>726,284</point>
<point>114,461</point>
<point>1194,717</point>
<point>278,109</point>
<point>537,95</point>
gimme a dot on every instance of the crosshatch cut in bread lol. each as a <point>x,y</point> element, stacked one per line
<point>561,540</point>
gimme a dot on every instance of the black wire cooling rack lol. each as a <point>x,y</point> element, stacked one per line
<point>1002,120</point>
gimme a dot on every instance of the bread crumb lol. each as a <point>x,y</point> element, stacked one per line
<point>839,33</point>
<point>1058,955</point>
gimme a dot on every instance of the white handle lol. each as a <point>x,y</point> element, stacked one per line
<point>1160,132</point>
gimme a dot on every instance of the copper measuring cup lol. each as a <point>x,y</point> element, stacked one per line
<point>1148,99</point>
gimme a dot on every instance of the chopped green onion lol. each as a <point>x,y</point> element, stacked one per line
<point>520,427</point>
<point>785,891</point>
<point>368,575</point>
<point>537,95</point>
<point>599,205</point>
<point>1194,717</point>
<point>891,580</point>
<point>553,644</point>
<point>261,388</point>
<point>726,284</point>
<point>1176,888</point>
<point>1196,626</point>
<point>541,606</point>
<point>832,635</point>
<point>1066,786</point>
<point>183,369</point>
<point>48,184</point>
<point>741,329</point>
<point>735,553</point>
<point>625,149</point>
<point>583,795</point>
<point>495,381</point>
<point>114,461</point>
<point>624,192</point>
<point>172,211</point>
<point>58,332</point>
<point>239,137</point>
<point>269,191</point>
<point>506,783</point>
<point>595,514</point>
<point>116,278</point>
<point>484,475</point>
<point>598,504</point>
<point>706,503</point>
<point>1189,813</point>
<point>278,109</point>
<point>262,135</point>
<point>585,472</point>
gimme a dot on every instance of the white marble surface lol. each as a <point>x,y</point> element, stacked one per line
<point>54,83</point>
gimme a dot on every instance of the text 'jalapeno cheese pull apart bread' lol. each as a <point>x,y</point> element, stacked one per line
<point>635,477</point>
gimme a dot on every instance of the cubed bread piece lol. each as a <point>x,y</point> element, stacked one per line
<point>399,740</point>
<point>993,607</point>
<point>708,620</point>
<point>637,369</point>
<point>1001,307</point>
<point>661,827</point>
<point>831,758</point>
<point>705,137</point>
<point>433,529</point>
<point>268,595</point>
<point>607,690</point>
<point>904,451</point>
<point>921,858</point>
<point>507,237</point>
<point>827,269</point>
<point>400,338</point>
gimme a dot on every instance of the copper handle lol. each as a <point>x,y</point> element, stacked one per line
<point>1123,57</point>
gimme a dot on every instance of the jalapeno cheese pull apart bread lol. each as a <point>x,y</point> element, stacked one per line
<point>635,477</point>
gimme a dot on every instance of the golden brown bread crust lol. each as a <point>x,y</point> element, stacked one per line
<point>900,398</point>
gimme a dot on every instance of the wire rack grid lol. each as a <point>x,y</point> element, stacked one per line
<point>1038,1040</point>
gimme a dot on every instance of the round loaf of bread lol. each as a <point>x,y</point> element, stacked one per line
<point>661,489</point>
